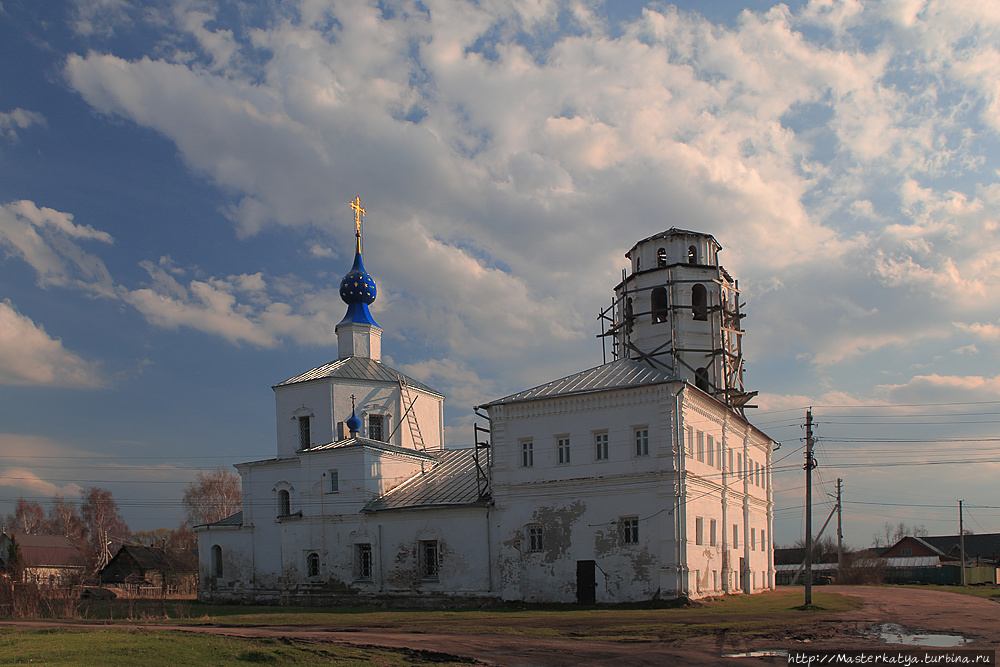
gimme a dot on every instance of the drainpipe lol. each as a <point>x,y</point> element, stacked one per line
<point>727,566</point>
<point>680,534</point>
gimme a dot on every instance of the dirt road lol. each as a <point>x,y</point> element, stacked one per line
<point>927,611</point>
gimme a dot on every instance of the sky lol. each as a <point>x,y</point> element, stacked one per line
<point>174,223</point>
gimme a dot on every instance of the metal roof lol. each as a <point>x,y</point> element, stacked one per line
<point>451,482</point>
<point>236,520</point>
<point>913,561</point>
<point>371,444</point>
<point>619,374</point>
<point>673,231</point>
<point>357,368</point>
<point>48,551</point>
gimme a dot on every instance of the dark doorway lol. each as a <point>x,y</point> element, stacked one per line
<point>586,582</point>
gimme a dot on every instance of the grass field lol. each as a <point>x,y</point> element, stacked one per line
<point>111,645</point>
<point>738,614</point>
<point>152,648</point>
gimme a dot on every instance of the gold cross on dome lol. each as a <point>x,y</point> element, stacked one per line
<point>359,214</point>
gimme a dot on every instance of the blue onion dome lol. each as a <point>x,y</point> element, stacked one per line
<point>353,424</point>
<point>357,289</point>
<point>357,286</point>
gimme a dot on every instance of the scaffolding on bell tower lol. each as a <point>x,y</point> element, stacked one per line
<point>669,339</point>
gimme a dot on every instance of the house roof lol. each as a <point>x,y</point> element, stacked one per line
<point>162,559</point>
<point>377,445</point>
<point>233,521</point>
<point>357,368</point>
<point>49,551</point>
<point>451,482</point>
<point>618,374</point>
<point>986,545</point>
<point>673,231</point>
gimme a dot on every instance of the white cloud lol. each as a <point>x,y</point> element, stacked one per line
<point>841,152</point>
<point>29,356</point>
<point>18,119</point>
<point>47,240</point>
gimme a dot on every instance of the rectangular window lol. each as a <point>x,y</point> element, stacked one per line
<point>690,440</point>
<point>428,552</point>
<point>642,442</point>
<point>699,530</point>
<point>715,580</point>
<point>701,447</point>
<point>534,538</point>
<point>736,536</point>
<point>906,551</point>
<point>562,446</point>
<point>334,476</point>
<point>763,542</point>
<point>601,446</point>
<point>712,529</point>
<point>730,461</point>
<point>628,527</point>
<point>697,581</point>
<point>305,439</point>
<point>363,561</point>
<point>753,539</point>
<point>527,453</point>
<point>739,464</point>
<point>376,427</point>
<point>710,449</point>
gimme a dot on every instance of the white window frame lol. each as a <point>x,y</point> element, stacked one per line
<point>641,436</point>
<point>628,530</point>
<point>602,450</point>
<point>527,453</point>
<point>562,449</point>
<point>333,480</point>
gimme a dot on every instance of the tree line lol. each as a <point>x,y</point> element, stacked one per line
<point>98,529</point>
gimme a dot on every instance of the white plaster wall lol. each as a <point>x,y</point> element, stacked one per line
<point>579,505</point>
<point>329,401</point>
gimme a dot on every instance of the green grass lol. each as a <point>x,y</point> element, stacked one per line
<point>741,614</point>
<point>150,648</point>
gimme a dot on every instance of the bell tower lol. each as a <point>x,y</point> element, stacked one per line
<point>678,310</point>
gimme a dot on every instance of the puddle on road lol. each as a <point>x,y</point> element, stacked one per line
<point>897,634</point>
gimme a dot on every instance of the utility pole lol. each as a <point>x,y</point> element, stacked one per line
<point>809,465</point>
<point>840,525</point>
<point>961,539</point>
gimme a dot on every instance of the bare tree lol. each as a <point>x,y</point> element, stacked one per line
<point>64,519</point>
<point>106,529</point>
<point>889,533</point>
<point>28,517</point>
<point>212,497</point>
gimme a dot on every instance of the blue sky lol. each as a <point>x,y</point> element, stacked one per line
<point>174,221</point>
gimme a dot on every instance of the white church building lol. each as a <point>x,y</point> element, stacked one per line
<point>636,480</point>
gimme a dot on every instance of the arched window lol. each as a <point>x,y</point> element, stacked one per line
<point>701,379</point>
<point>312,564</point>
<point>629,314</point>
<point>692,255</point>
<point>216,560</point>
<point>284,503</point>
<point>699,302</point>
<point>658,304</point>
<point>661,257</point>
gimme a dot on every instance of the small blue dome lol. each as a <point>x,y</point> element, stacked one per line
<point>353,424</point>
